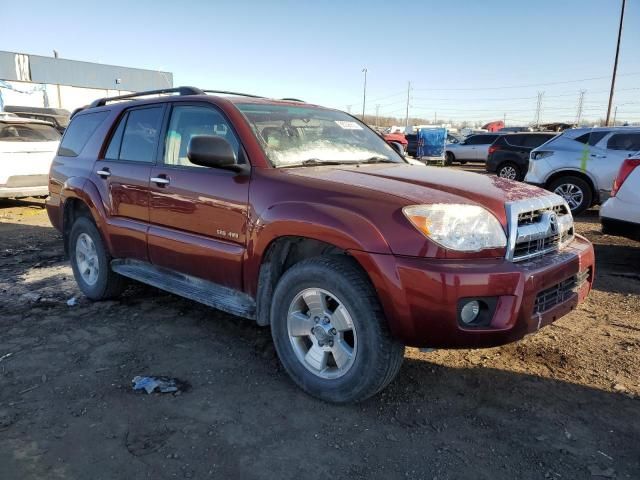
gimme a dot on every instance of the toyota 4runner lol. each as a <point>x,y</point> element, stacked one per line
<point>305,220</point>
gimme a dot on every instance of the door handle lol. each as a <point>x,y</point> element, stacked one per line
<point>598,156</point>
<point>160,181</point>
<point>104,173</point>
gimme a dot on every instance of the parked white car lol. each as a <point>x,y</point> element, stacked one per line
<point>620,215</point>
<point>27,148</point>
<point>472,149</point>
<point>581,164</point>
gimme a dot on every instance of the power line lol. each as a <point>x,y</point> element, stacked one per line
<point>523,86</point>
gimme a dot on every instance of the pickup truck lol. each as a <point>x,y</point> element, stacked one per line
<point>306,221</point>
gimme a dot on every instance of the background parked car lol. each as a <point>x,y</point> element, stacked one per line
<point>509,154</point>
<point>396,137</point>
<point>581,163</point>
<point>27,148</point>
<point>473,149</point>
<point>58,117</point>
<point>620,214</point>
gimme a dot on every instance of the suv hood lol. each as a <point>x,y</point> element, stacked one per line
<point>424,185</point>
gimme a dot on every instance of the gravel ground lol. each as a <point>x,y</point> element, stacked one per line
<point>563,403</point>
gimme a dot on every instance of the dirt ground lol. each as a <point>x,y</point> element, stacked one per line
<point>561,404</point>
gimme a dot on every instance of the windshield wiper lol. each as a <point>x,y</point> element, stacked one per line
<point>313,162</point>
<point>377,160</point>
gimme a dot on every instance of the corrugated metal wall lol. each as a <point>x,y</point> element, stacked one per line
<point>59,71</point>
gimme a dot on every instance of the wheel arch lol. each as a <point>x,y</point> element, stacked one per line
<point>80,200</point>
<point>579,174</point>
<point>283,253</point>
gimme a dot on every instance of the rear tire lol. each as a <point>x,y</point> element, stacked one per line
<point>90,262</point>
<point>332,299</point>
<point>576,192</point>
<point>510,171</point>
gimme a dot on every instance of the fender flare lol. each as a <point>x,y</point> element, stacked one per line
<point>85,191</point>
<point>337,226</point>
<point>573,170</point>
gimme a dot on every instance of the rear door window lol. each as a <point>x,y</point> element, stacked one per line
<point>136,137</point>
<point>79,132</point>
<point>624,141</point>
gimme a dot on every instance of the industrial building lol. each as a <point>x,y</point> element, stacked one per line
<point>39,81</point>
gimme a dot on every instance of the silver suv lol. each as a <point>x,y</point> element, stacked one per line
<point>581,164</point>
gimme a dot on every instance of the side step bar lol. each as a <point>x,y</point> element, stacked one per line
<point>209,293</point>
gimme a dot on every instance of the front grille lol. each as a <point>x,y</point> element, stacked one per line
<point>533,216</point>
<point>538,226</point>
<point>529,248</point>
<point>560,292</point>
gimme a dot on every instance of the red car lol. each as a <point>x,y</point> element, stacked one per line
<point>305,220</point>
<point>396,137</point>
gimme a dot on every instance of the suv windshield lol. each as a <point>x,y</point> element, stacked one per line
<point>301,135</point>
<point>27,132</point>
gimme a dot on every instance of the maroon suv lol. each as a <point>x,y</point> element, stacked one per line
<point>302,218</point>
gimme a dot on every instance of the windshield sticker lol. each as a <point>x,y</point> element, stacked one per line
<point>348,125</point>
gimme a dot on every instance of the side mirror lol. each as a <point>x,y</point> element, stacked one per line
<point>212,151</point>
<point>397,147</point>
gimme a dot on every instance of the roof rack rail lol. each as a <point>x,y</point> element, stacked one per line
<point>180,90</point>
<point>293,100</point>
<point>233,93</point>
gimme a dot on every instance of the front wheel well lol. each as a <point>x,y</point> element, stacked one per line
<point>573,173</point>
<point>281,255</point>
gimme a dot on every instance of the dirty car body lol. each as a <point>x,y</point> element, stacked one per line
<point>307,215</point>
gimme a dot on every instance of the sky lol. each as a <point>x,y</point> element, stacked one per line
<point>473,60</point>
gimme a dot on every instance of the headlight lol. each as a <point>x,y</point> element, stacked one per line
<point>466,228</point>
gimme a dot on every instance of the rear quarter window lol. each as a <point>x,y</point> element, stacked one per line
<point>79,132</point>
<point>533,141</point>
<point>591,138</point>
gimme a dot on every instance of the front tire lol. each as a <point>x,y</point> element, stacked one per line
<point>576,192</point>
<point>330,333</point>
<point>90,262</point>
<point>449,159</point>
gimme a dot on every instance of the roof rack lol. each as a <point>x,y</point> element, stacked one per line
<point>180,90</point>
<point>293,100</point>
<point>224,92</point>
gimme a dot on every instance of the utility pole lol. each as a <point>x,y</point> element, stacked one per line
<point>364,94</point>
<point>406,118</point>
<point>538,109</point>
<point>377,114</point>
<point>580,104</point>
<point>615,64</point>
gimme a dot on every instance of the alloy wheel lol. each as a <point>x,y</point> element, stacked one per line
<point>87,259</point>
<point>572,194</point>
<point>508,172</point>
<point>322,333</point>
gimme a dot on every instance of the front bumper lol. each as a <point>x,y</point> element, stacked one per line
<point>420,296</point>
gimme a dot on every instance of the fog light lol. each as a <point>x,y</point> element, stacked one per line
<point>469,312</point>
